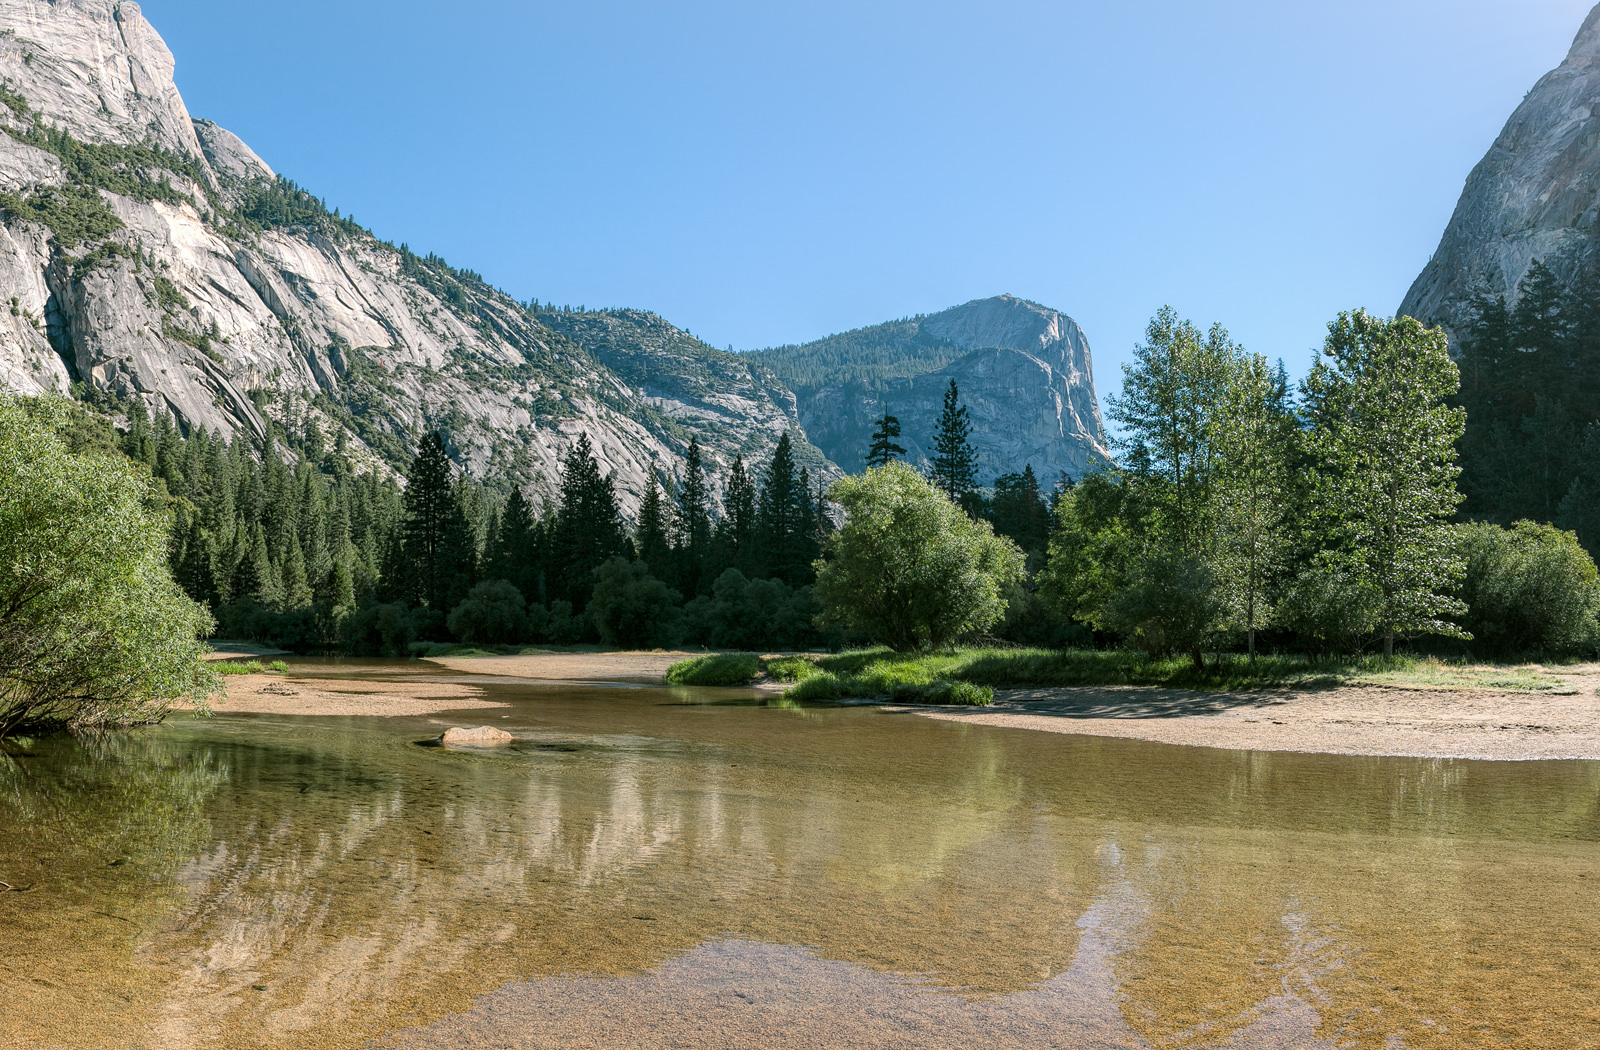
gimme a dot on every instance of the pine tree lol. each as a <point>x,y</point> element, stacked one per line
<point>517,548</point>
<point>884,449</point>
<point>1019,511</point>
<point>436,544</point>
<point>588,528</point>
<point>781,517</point>
<point>655,550</point>
<point>955,468</point>
<point>737,532</point>
<point>692,532</point>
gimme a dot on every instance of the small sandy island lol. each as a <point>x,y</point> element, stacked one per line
<point>571,667</point>
<point>1428,723</point>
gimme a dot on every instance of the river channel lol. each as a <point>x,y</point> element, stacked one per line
<point>651,867</point>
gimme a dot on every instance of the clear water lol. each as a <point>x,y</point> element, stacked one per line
<point>682,868</point>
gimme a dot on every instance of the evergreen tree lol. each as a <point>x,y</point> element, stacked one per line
<point>1018,511</point>
<point>782,519</point>
<point>737,532</point>
<point>884,449</point>
<point>1383,441</point>
<point>517,549</point>
<point>436,543</point>
<point>955,469</point>
<point>655,549</point>
<point>588,528</point>
<point>692,534</point>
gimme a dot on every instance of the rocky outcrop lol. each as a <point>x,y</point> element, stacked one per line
<point>233,301</point>
<point>1023,370</point>
<point>1534,197</point>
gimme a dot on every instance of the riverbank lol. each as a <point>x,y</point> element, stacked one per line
<point>1345,720</point>
<point>1369,719</point>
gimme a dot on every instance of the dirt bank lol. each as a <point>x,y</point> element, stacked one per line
<point>1343,721</point>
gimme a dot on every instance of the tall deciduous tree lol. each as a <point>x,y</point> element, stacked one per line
<point>1252,495</point>
<point>955,464</point>
<point>1383,441</point>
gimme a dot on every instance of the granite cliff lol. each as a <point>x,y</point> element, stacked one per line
<point>1534,197</point>
<point>1023,370</point>
<point>147,255</point>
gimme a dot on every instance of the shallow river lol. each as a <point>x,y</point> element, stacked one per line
<point>683,868</point>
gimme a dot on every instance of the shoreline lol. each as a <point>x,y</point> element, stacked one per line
<point>1369,721</point>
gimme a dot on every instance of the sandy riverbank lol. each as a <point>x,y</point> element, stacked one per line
<point>1369,720</point>
<point>1345,721</point>
<point>275,694</point>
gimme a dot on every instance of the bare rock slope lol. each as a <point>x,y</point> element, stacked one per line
<point>148,256</point>
<point>1534,197</point>
<point>1023,370</point>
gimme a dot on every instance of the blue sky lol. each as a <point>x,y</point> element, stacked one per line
<point>766,173</point>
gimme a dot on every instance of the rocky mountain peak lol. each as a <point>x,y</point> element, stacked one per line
<point>95,69</point>
<point>1535,197</point>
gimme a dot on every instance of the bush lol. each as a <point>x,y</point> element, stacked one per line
<point>1330,609</point>
<point>493,612</point>
<point>93,631</point>
<point>826,686</point>
<point>1172,605</point>
<point>632,609</point>
<point>742,613</point>
<point>909,568</point>
<point>1530,590</point>
<point>726,669</point>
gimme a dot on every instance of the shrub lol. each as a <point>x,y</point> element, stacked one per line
<point>742,613</point>
<point>493,612</point>
<point>631,608</point>
<point>909,568</point>
<point>725,669</point>
<point>93,631</point>
<point>1172,605</point>
<point>1530,589</point>
<point>1330,609</point>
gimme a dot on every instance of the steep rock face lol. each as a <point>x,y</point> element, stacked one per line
<point>1534,197</point>
<point>216,293</point>
<point>1023,370</point>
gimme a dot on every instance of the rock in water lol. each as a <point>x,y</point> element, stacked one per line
<point>483,736</point>
<point>1535,197</point>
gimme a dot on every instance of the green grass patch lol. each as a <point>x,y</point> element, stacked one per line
<point>231,667</point>
<point>792,669</point>
<point>723,669</point>
<point>882,672</point>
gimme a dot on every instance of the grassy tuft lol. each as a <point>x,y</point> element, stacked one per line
<point>725,669</point>
<point>792,669</point>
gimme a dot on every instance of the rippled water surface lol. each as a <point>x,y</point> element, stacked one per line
<point>681,868</point>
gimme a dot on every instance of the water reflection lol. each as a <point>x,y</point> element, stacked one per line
<point>316,883</point>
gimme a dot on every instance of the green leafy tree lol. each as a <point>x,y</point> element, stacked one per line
<point>632,609</point>
<point>885,449</point>
<point>93,630</point>
<point>955,464</point>
<point>1252,497</point>
<point>1383,443</point>
<point>908,567</point>
<point>1172,603</point>
<point>1530,590</point>
<point>1173,409</point>
<point>493,612</point>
